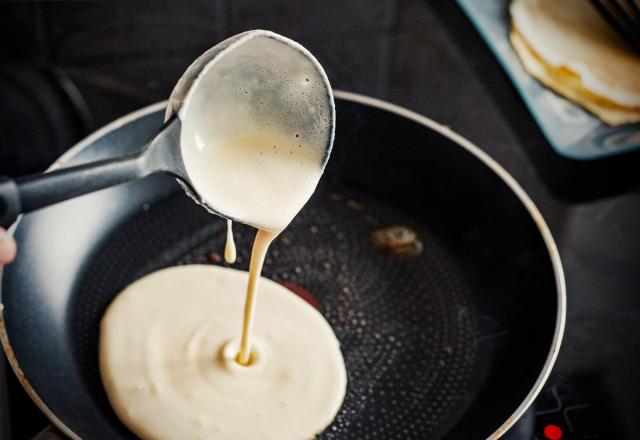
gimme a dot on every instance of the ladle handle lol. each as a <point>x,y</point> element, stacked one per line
<point>49,433</point>
<point>29,193</point>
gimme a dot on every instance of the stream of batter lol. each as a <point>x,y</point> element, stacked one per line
<point>230,245</point>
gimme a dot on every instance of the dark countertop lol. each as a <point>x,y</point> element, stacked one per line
<point>422,55</point>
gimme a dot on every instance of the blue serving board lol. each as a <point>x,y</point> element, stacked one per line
<point>571,131</point>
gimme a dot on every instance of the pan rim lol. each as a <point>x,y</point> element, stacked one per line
<point>392,108</point>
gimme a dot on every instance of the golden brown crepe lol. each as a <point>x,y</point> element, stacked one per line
<point>569,48</point>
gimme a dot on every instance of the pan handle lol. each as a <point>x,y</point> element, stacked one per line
<point>49,433</point>
<point>29,193</point>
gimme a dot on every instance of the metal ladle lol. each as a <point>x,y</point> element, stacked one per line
<point>271,70</point>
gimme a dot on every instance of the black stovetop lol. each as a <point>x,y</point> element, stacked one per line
<point>71,67</point>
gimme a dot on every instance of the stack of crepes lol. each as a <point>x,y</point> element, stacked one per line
<point>567,46</point>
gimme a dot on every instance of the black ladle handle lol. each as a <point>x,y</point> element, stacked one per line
<point>29,193</point>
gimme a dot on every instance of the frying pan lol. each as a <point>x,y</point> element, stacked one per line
<point>454,342</point>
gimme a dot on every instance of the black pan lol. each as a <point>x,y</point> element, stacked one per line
<point>452,343</point>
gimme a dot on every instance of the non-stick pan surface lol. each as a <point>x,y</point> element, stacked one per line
<point>452,343</point>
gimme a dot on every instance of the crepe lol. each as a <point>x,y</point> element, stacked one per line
<point>568,47</point>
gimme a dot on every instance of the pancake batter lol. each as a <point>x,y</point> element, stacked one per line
<point>167,357</point>
<point>257,128</point>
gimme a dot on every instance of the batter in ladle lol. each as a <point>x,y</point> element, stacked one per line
<point>167,357</point>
